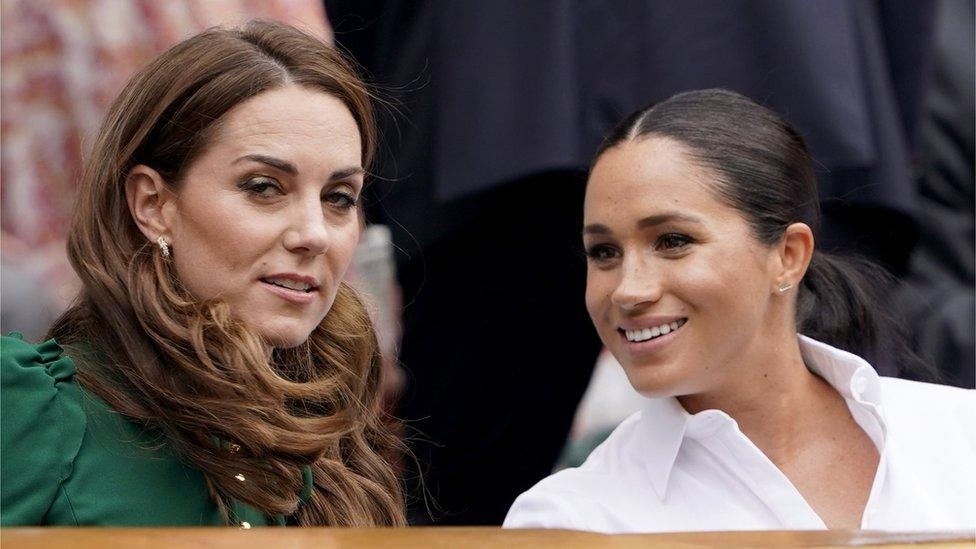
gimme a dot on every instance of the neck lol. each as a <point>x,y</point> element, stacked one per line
<point>770,393</point>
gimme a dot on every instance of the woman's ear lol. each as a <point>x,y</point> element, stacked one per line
<point>794,253</point>
<point>150,202</point>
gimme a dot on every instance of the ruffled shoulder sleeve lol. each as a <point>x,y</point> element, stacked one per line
<point>42,425</point>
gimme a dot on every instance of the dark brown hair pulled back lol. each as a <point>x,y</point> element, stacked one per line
<point>765,172</point>
<point>188,367</point>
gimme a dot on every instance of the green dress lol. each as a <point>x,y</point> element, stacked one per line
<point>68,459</point>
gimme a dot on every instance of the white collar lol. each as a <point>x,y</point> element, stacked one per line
<point>664,422</point>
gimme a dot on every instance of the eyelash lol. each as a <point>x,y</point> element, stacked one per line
<point>675,241</point>
<point>599,253</point>
<point>258,186</point>
<point>667,242</point>
<point>349,201</point>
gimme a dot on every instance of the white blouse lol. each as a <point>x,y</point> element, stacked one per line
<point>664,469</point>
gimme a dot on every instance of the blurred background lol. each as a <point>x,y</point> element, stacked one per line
<point>491,113</point>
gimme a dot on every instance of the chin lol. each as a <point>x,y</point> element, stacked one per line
<point>285,336</point>
<point>655,381</point>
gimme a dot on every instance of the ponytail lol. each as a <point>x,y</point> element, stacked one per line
<point>840,303</point>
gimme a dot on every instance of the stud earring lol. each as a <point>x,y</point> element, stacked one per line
<point>163,246</point>
<point>783,288</point>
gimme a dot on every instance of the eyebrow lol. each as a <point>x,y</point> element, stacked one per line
<point>649,221</point>
<point>346,172</point>
<point>291,169</point>
<point>276,163</point>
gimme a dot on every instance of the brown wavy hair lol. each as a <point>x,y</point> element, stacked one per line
<point>226,401</point>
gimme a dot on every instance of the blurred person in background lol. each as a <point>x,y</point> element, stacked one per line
<point>503,103</point>
<point>937,296</point>
<point>216,368</point>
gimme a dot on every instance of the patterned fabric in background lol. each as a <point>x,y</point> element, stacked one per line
<point>63,63</point>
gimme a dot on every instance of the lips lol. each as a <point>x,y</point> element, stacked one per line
<point>645,334</point>
<point>294,288</point>
<point>289,281</point>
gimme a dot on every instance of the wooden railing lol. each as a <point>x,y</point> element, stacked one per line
<point>453,538</point>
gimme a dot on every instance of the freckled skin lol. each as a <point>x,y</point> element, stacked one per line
<point>738,351</point>
<point>727,308</point>
<point>225,238</point>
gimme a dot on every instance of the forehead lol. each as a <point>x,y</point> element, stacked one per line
<point>290,118</point>
<point>647,175</point>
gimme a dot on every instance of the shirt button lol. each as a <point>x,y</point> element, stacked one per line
<point>860,385</point>
<point>246,525</point>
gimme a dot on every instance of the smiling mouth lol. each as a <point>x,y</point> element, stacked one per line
<point>288,284</point>
<point>647,334</point>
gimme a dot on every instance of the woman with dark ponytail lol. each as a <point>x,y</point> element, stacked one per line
<point>752,346</point>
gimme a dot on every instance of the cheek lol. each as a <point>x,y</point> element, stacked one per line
<point>342,249</point>
<point>702,283</point>
<point>219,246</point>
<point>731,294</point>
<point>599,287</point>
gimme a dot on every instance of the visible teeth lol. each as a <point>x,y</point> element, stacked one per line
<point>650,333</point>
<point>290,284</point>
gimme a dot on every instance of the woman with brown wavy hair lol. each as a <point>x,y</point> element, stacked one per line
<point>215,368</point>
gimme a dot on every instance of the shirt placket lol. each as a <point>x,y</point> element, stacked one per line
<point>870,418</point>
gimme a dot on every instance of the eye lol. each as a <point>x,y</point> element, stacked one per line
<point>602,253</point>
<point>344,200</point>
<point>673,241</point>
<point>262,187</point>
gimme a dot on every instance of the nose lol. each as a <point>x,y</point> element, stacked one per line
<point>308,232</point>
<point>640,284</point>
